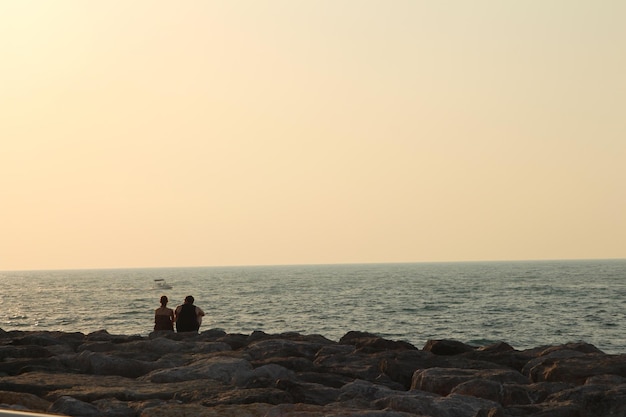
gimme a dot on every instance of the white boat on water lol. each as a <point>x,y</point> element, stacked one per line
<point>161,284</point>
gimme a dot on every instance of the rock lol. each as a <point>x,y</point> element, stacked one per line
<point>309,393</point>
<point>545,410</point>
<point>363,391</point>
<point>455,405</point>
<point>98,346</point>
<point>95,387</point>
<point>424,403</point>
<point>289,374</point>
<point>235,341</point>
<point>266,410</point>
<point>581,347</point>
<point>612,380</point>
<point>19,366</point>
<point>417,402</point>
<point>576,369</point>
<point>38,339</point>
<point>273,372</point>
<point>596,400</point>
<point>442,380</point>
<point>196,410</point>
<point>212,334</point>
<point>497,347</point>
<point>536,361</point>
<point>100,364</point>
<point>482,388</point>
<point>501,354</point>
<point>354,335</point>
<point>103,335</point>
<point>28,401</point>
<point>400,366</point>
<point>540,391</point>
<point>219,368</point>
<point>347,362</point>
<point>307,410</point>
<point>492,412</point>
<point>112,407</point>
<point>281,348</point>
<point>21,351</point>
<point>323,378</point>
<point>447,347</point>
<point>162,346</point>
<point>248,396</point>
<point>504,394</point>
<point>73,407</point>
<point>372,343</point>
<point>292,363</point>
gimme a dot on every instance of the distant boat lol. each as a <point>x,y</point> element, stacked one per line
<point>161,284</point>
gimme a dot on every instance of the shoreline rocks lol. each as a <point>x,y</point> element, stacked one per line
<point>290,374</point>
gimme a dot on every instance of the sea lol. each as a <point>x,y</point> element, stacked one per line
<point>526,304</point>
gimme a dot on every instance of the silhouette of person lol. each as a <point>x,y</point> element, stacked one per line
<point>163,316</point>
<point>187,316</point>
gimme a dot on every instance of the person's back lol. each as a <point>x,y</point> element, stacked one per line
<point>163,316</point>
<point>186,319</point>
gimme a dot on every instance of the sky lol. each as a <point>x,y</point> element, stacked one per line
<point>151,133</point>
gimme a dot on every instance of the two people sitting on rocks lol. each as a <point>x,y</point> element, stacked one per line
<point>187,316</point>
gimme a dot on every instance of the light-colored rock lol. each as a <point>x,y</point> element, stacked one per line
<point>220,368</point>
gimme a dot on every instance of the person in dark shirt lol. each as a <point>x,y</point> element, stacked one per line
<point>163,316</point>
<point>187,316</point>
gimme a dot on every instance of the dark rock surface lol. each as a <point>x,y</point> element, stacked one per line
<point>291,374</point>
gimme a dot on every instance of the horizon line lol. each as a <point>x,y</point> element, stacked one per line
<point>111,268</point>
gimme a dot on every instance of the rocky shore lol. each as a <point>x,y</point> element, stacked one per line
<point>281,375</point>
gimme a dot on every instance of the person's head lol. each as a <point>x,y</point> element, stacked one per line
<point>189,299</point>
<point>164,301</point>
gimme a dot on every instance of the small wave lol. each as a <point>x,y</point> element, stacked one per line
<point>527,304</point>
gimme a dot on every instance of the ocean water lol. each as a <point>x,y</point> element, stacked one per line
<point>526,304</point>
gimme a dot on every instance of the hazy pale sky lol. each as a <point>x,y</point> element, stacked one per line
<point>152,133</point>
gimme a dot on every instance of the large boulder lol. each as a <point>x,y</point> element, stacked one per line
<point>309,393</point>
<point>369,342</point>
<point>101,364</point>
<point>423,403</point>
<point>502,354</point>
<point>226,369</point>
<point>447,347</point>
<point>597,400</point>
<point>24,351</point>
<point>577,368</point>
<point>25,400</point>
<point>73,407</point>
<point>343,360</point>
<point>443,380</point>
<point>282,348</point>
